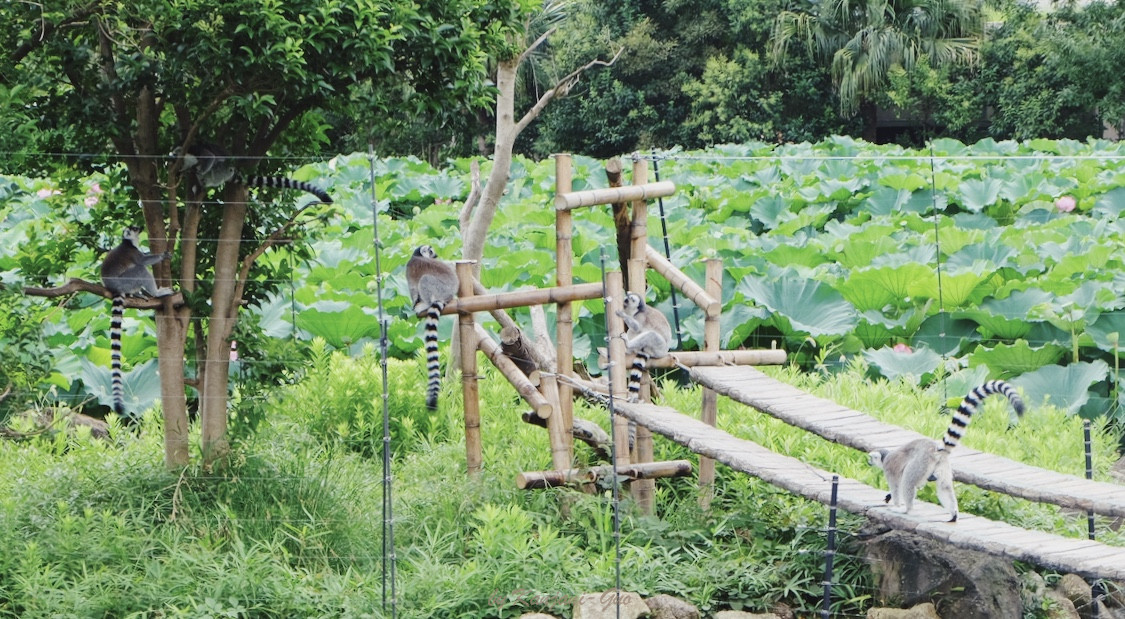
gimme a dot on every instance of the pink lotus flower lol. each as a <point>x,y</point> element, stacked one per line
<point>45,193</point>
<point>1066,204</point>
<point>900,347</point>
<point>90,201</point>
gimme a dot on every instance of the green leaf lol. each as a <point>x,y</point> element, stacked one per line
<point>1066,387</point>
<point>918,364</point>
<point>1009,360</point>
<point>977,194</point>
<point>808,306</point>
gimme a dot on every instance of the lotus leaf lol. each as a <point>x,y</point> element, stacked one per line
<point>1067,387</point>
<point>1008,360</point>
<point>892,364</point>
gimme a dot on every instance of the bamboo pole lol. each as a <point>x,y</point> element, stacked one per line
<point>538,480</point>
<point>638,228</point>
<point>583,430</point>
<point>709,407</point>
<point>609,195</point>
<point>564,319</point>
<point>644,491</point>
<point>559,428</point>
<point>469,387</point>
<point>705,358</point>
<point>711,306</point>
<point>508,368</point>
<point>616,293</point>
<point>522,298</point>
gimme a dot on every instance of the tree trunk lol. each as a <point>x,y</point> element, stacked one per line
<point>869,112</point>
<point>224,314</point>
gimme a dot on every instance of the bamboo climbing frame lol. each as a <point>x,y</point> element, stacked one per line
<point>550,394</point>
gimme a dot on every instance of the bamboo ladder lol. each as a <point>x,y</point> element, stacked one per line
<point>552,399</point>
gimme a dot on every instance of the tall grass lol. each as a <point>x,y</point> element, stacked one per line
<point>292,525</point>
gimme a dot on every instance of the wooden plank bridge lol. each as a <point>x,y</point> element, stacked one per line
<point>1089,559</point>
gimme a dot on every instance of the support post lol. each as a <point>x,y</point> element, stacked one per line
<point>469,389</point>
<point>616,345</point>
<point>564,319</point>
<point>638,233</point>
<point>709,408</point>
<point>644,490</point>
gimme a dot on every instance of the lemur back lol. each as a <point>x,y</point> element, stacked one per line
<point>432,283</point>
<point>909,467</point>
<point>125,272</point>
<point>213,167</point>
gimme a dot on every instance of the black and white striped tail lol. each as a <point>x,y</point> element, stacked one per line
<point>281,182</point>
<point>433,361</point>
<point>964,413</point>
<point>117,383</point>
<point>636,375</point>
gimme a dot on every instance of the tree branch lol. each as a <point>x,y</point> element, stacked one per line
<point>81,285</point>
<point>46,28</point>
<point>561,89</point>
<point>274,238</point>
<point>474,194</point>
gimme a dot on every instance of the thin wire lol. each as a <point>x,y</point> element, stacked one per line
<point>388,505</point>
<point>612,446</point>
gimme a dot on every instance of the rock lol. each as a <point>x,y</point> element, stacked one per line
<point>604,606</point>
<point>1074,588</point>
<point>911,570</point>
<point>738,614</point>
<point>921,611</point>
<point>1033,589</point>
<point>665,606</point>
<point>1060,607</point>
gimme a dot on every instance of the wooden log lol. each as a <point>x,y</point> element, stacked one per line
<point>710,305</point>
<point>516,347</point>
<point>582,429</point>
<point>610,195</point>
<point>621,225</point>
<point>517,378</point>
<point>704,358</point>
<point>543,346</point>
<point>469,388</point>
<point>537,480</point>
<point>709,406</point>
<point>564,276</point>
<point>638,230</point>
<point>559,428</point>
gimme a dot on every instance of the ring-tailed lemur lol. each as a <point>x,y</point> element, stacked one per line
<point>213,167</point>
<point>432,284</point>
<point>909,467</point>
<point>125,272</point>
<point>649,337</point>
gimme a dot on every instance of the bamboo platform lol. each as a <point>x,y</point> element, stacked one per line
<point>1088,559</point>
<point>865,433</point>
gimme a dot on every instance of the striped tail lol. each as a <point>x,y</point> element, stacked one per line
<point>964,413</point>
<point>636,374</point>
<point>118,385</point>
<point>281,182</point>
<point>433,361</point>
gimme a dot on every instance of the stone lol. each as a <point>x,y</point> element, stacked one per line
<point>910,570</point>
<point>604,606</point>
<point>739,614</point>
<point>1076,589</point>
<point>665,606</point>
<point>1060,607</point>
<point>921,611</point>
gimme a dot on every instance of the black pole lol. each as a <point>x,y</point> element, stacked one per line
<point>668,255</point>
<point>830,551</point>
<point>1096,588</point>
<point>612,451</point>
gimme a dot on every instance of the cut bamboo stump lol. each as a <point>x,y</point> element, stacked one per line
<point>523,386</point>
<point>538,480</point>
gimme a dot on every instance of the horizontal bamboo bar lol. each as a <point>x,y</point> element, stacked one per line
<point>704,358</point>
<point>710,305</point>
<point>698,358</point>
<point>613,195</point>
<point>537,480</point>
<point>522,298</point>
<point>526,390</point>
